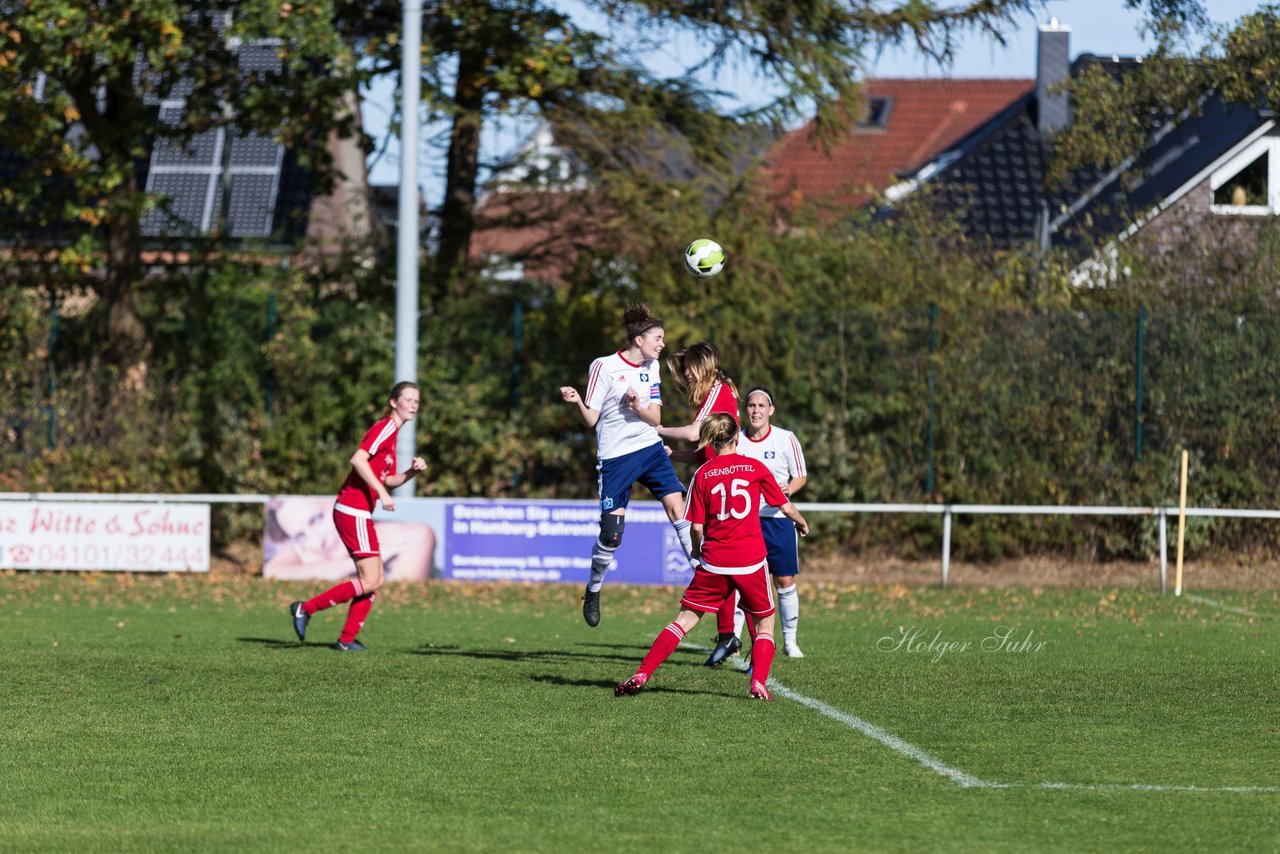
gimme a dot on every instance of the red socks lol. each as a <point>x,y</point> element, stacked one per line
<point>665,644</point>
<point>724,617</point>
<point>347,591</point>
<point>360,607</point>
<point>761,658</point>
<point>344,592</point>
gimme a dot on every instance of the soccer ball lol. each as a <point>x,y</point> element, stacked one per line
<point>704,258</point>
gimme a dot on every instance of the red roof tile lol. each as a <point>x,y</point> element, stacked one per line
<point>926,117</point>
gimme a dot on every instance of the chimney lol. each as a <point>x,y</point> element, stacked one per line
<point>1053,67</point>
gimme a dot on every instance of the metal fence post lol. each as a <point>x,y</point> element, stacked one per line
<point>1164,548</point>
<point>270,379</point>
<point>946,544</point>
<point>517,351</point>
<point>933,398</point>
<point>51,428</point>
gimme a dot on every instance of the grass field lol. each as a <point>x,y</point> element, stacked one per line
<point>178,713</point>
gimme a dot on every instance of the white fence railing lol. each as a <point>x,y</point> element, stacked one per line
<point>158,498</point>
<point>946,511</point>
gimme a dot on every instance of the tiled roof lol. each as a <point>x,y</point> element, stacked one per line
<point>1181,153</point>
<point>925,117</point>
<point>993,180</point>
<point>995,186</point>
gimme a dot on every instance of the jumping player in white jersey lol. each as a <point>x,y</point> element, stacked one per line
<point>624,404</point>
<point>779,450</point>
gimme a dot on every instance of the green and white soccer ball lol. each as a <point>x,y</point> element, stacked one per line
<point>704,258</point>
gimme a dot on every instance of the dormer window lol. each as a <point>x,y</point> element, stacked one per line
<point>1249,183</point>
<point>875,113</point>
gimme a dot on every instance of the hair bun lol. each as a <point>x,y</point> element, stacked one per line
<point>636,313</point>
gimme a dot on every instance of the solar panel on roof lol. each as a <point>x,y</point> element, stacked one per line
<point>252,207</point>
<point>201,152</point>
<point>190,196</point>
<point>256,151</point>
<point>192,175</point>
<point>260,56</point>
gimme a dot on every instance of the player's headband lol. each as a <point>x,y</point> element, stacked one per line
<point>643,326</point>
<point>761,390</point>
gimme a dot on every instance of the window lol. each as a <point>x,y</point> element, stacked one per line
<point>1249,183</point>
<point>1246,187</point>
<point>875,113</point>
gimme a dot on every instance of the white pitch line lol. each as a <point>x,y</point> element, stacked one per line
<point>1144,787</point>
<point>867,728</point>
<point>1213,603</point>
<point>888,739</point>
<point>961,778</point>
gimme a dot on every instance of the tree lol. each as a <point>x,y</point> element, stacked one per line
<point>80,85</point>
<point>1117,116</point>
<point>483,58</point>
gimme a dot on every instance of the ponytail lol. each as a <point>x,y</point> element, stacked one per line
<point>717,430</point>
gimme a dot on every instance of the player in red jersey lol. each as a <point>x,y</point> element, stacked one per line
<point>723,505</point>
<point>697,371</point>
<point>698,367</point>
<point>373,473</point>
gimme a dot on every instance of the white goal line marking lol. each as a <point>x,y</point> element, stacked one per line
<point>1213,603</point>
<point>888,739</point>
<point>961,778</point>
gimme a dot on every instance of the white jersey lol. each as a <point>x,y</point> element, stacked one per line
<point>620,429</point>
<point>779,450</point>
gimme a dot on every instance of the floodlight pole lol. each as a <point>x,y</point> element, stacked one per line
<point>406,366</point>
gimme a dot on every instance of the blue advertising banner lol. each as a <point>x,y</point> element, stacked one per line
<point>551,541</point>
<point>475,540</point>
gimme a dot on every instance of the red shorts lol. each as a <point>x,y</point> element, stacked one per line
<point>709,589</point>
<point>355,527</point>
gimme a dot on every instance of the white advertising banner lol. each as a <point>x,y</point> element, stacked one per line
<point>137,537</point>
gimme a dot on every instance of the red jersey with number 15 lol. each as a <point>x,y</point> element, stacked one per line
<point>725,499</point>
<point>380,444</point>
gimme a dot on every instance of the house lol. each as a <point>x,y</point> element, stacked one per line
<point>904,123</point>
<point>983,148</point>
<point>254,185</point>
<point>522,214</point>
<point>532,216</point>
<point>1220,161</point>
<point>247,184</point>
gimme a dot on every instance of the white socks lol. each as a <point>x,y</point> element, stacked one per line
<point>789,611</point>
<point>601,559</point>
<point>682,527</point>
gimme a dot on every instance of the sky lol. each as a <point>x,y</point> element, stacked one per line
<point>1097,26</point>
